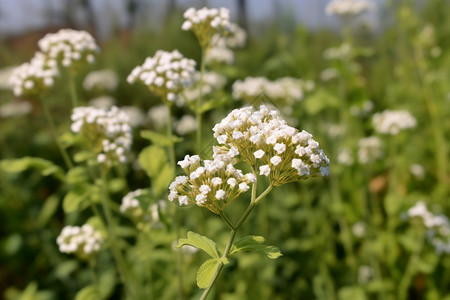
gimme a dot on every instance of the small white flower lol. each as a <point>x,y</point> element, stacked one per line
<point>259,153</point>
<point>264,170</point>
<point>243,187</point>
<point>183,200</point>
<point>279,148</point>
<point>221,195</point>
<point>275,160</point>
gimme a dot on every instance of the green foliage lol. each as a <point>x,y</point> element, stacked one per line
<point>255,243</point>
<point>200,242</point>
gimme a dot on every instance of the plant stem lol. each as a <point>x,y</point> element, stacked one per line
<point>62,150</point>
<point>199,101</point>
<point>73,90</point>
<point>93,275</point>
<point>170,135</point>
<point>254,201</point>
<point>113,243</point>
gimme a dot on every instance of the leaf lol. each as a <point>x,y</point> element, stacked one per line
<point>22,164</point>
<point>206,272</point>
<point>352,292</point>
<point>201,242</point>
<point>77,175</point>
<point>160,139</point>
<point>213,104</point>
<point>47,211</point>
<point>162,181</point>
<point>89,292</point>
<point>152,159</point>
<point>320,100</point>
<point>73,198</point>
<point>255,243</point>
<point>82,156</point>
<point>107,282</point>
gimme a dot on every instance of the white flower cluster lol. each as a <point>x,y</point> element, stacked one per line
<point>205,23</point>
<point>393,121</point>
<point>158,116</point>
<point>370,149</point>
<point>131,205</point>
<point>265,140</point>
<point>107,132</point>
<point>212,81</point>
<point>349,7</point>
<point>105,80</point>
<point>283,91</point>
<point>83,241</point>
<point>341,52</point>
<point>34,77</point>
<point>15,109</point>
<point>221,52</point>
<point>68,46</point>
<point>166,74</point>
<point>185,125</point>
<point>438,226</point>
<point>5,74</point>
<point>210,183</point>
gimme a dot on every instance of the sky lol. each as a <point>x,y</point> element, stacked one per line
<point>17,16</point>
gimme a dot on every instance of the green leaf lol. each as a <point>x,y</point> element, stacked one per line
<point>73,198</point>
<point>206,272</point>
<point>65,268</point>
<point>320,100</point>
<point>255,243</point>
<point>201,242</point>
<point>107,282</point>
<point>47,211</point>
<point>77,175</point>
<point>152,160</point>
<point>83,156</point>
<point>213,104</point>
<point>162,181</point>
<point>352,292</point>
<point>89,292</point>
<point>22,164</point>
<point>160,139</point>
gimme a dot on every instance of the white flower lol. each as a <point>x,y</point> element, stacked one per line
<point>221,195</point>
<point>183,200</point>
<point>216,181</point>
<point>392,122</point>
<point>243,187</point>
<point>279,148</point>
<point>83,241</point>
<point>264,170</point>
<point>348,7</point>
<point>259,153</point>
<point>370,149</point>
<point>186,124</point>
<point>275,160</point>
<point>105,79</point>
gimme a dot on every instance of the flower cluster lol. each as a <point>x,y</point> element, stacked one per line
<point>34,77</point>
<point>104,80</point>
<point>210,183</point>
<point>186,124</point>
<point>15,109</point>
<point>370,149</point>
<point>393,121</point>
<point>205,23</point>
<point>166,74</point>
<point>68,46</point>
<point>221,52</point>
<point>107,132</point>
<point>283,91</point>
<point>212,81</point>
<point>341,52</point>
<point>83,241</point>
<point>144,215</point>
<point>438,226</point>
<point>265,140</point>
<point>348,7</point>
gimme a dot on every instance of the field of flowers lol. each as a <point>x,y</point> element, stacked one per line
<point>202,162</point>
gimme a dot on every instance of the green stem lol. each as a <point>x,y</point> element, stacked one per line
<point>199,101</point>
<point>73,90</point>
<point>410,269</point>
<point>170,135</point>
<point>113,243</point>
<point>62,150</point>
<point>93,274</point>
<point>254,201</point>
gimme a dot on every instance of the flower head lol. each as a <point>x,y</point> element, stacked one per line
<point>206,23</point>
<point>348,7</point>
<point>107,132</point>
<point>34,77</point>
<point>269,145</point>
<point>393,121</point>
<point>103,80</point>
<point>166,74</point>
<point>69,46</point>
<point>83,241</point>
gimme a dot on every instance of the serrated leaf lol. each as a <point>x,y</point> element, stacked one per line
<point>21,164</point>
<point>152,159</point>
<point>200,242</point>
<point>162,181</point>
<point>160,139</point>
<point>255,243</point>
<point>89,292</point>
<point>206,272</point>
